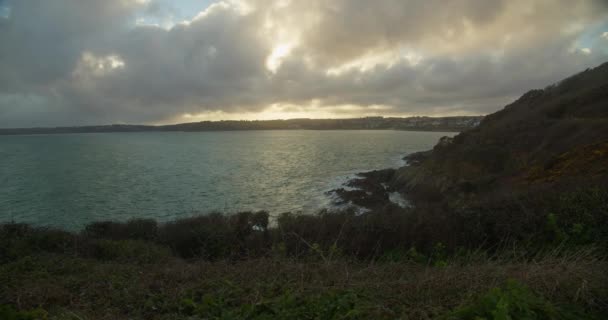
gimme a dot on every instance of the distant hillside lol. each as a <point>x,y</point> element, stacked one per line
<point>552,136</point>
<point>454,124</point>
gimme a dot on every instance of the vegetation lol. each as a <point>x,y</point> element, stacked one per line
<point>514,301</point>
<point>552,137</point>
<point>385,264</point>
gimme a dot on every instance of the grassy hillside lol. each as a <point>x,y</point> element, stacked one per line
<point>554,136</point>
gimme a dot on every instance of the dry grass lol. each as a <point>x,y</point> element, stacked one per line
<point>111,290</point>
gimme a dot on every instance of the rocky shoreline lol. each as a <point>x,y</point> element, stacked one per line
<point>369,190</point>
<point>378,189</point>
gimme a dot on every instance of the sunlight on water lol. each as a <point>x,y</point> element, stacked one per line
<point>70,180</point>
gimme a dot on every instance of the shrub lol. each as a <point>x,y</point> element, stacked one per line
<point>104,229</point>
<point>513,301</point>
<point>8,313</point>
<point>135,229</point>
<point>19,240</point>
<point>290,305</point>
<point>126,251</point>
<point>217,236</point>
<point>582,215</point>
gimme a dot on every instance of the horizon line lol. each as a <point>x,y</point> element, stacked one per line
<point>241,120</point>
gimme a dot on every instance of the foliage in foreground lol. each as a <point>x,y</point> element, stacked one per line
<point>329,305</point>
<point>514,301</point>
<point>71,287</point>
<point>426,234</point>
<point>8,313</point>
<point>391,263</point>
<point>226,300</point>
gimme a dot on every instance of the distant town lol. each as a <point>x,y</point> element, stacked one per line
<point>452,124</point>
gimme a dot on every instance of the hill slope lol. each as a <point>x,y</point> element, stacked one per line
<point>546,137</point>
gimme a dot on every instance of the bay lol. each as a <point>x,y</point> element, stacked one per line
<point>69,180</point>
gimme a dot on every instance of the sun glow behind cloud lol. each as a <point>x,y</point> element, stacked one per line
<point>91,64</point>
<point>161,61</point>
<point>313,110</point>
<point>273,62</point>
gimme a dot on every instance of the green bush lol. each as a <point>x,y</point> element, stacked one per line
<point>513,302</point>
<point>8,313</point>
<point>19,240</point>
<point>135,229</point>
<point>554,232</point>
<point>216,236</point>
<point>582,215</point>
<point>127,251</point>
<point>330,305</point>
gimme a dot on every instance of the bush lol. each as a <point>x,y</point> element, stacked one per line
<point>513,301</point>
<point>330,305</point>
<point>136,251</point>
<point>582,215</point>
<point>135,229</point>
<point>19,240</point>
<point>8,313</point>
<point>436,230</point>
<point>205,236</point>
<point>217,236</point>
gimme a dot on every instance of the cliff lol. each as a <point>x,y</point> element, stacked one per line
<point>552,137</point>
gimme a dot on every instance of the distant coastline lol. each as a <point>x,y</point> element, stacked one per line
<point>447,124</point>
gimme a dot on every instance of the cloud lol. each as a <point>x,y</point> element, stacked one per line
<point>75,62</point>
<point>44,39</point>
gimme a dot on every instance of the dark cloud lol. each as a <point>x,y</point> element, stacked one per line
<point>43,40</point>
<point>83,62</point>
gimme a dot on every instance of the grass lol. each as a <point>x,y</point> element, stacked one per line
<point>513,301</point>
<point>144,280</point>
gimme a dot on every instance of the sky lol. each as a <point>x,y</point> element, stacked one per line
<point>86,62</point>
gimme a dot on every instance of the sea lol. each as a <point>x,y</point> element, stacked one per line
<point>69,180</point>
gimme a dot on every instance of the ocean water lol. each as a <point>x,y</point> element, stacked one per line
<point>73,179</point>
